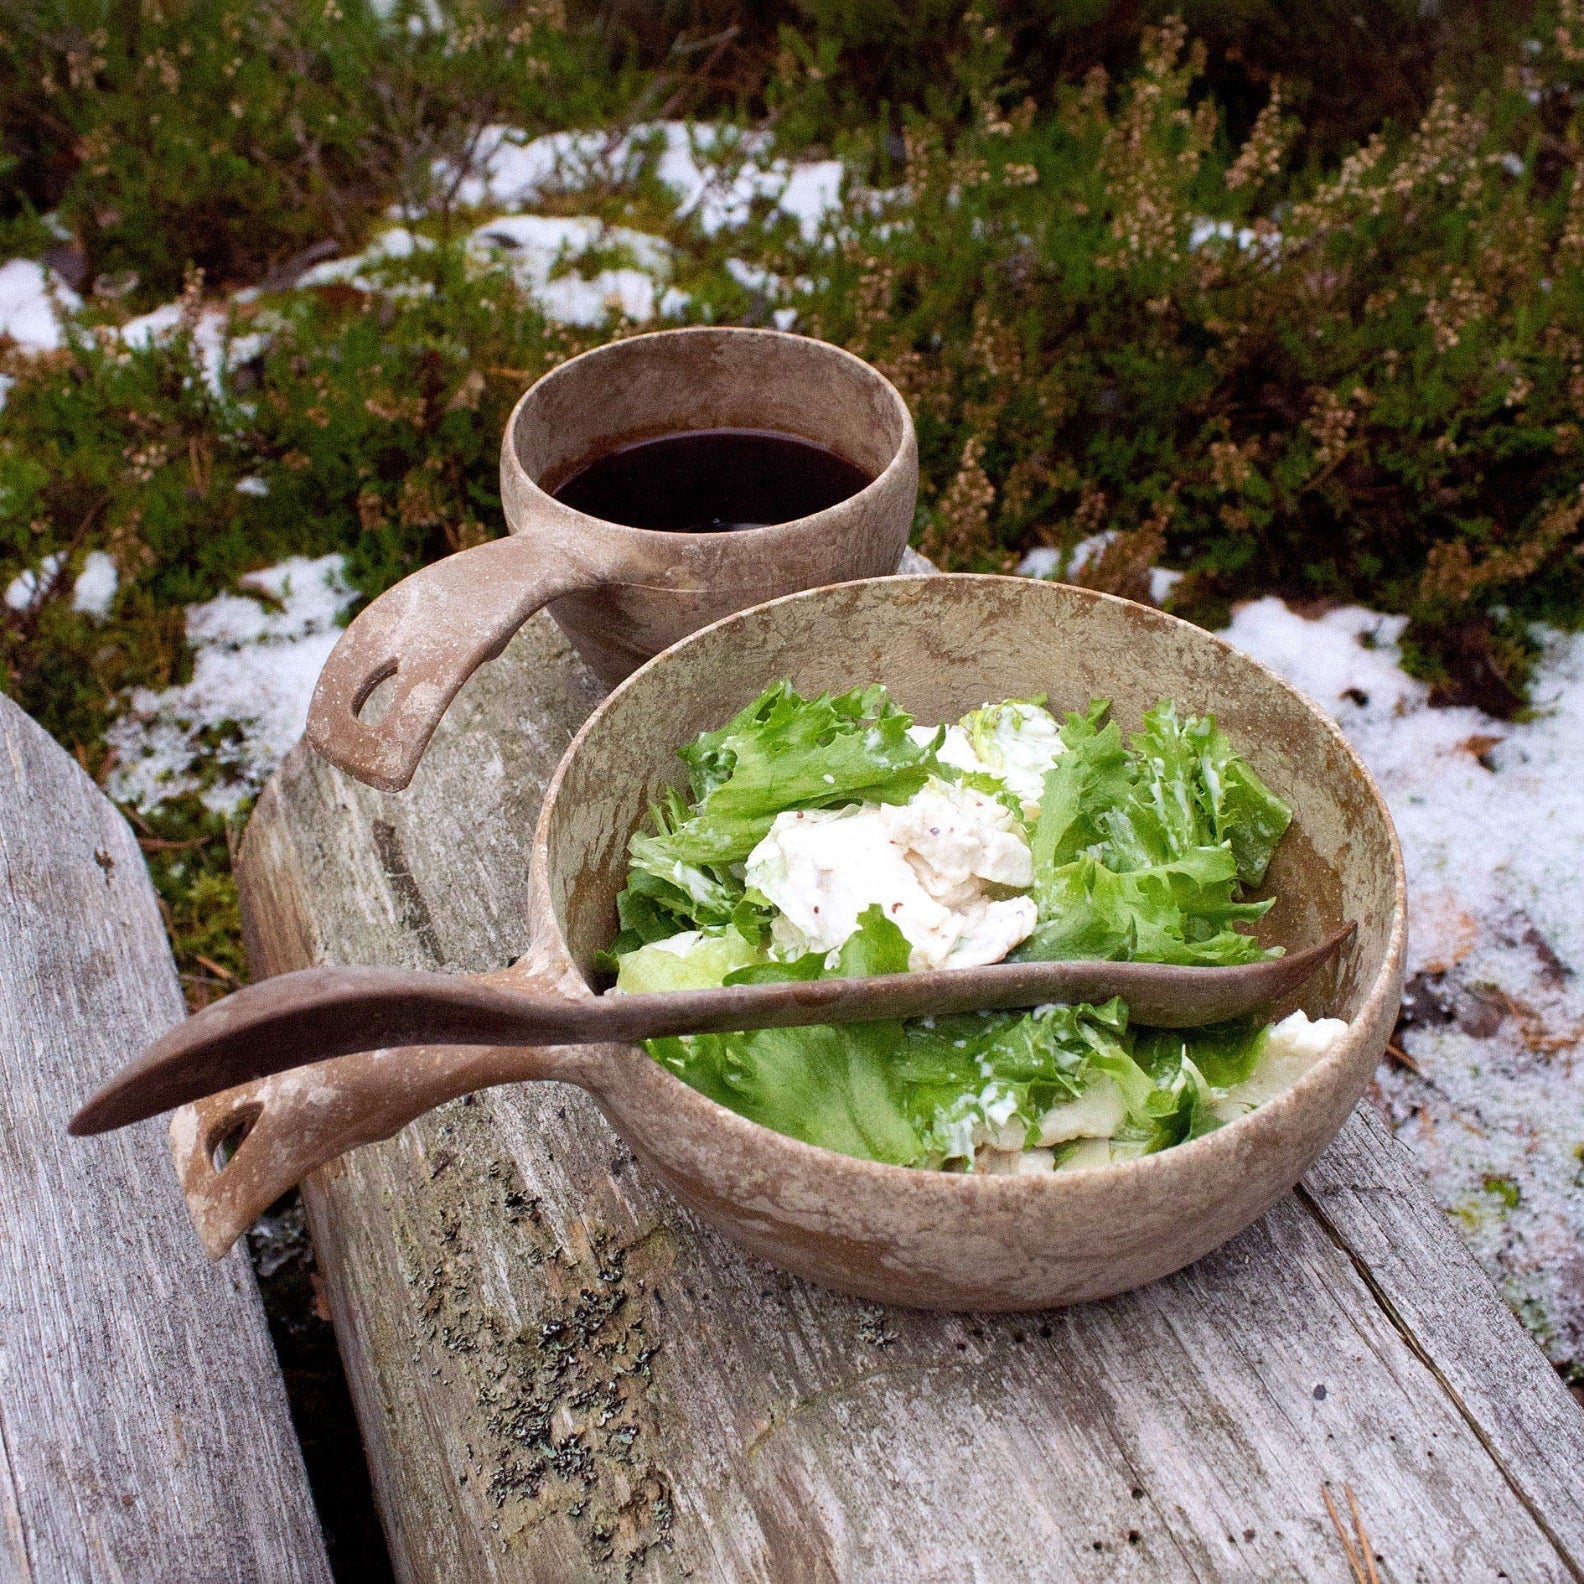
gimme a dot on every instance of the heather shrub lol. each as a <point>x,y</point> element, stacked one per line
<point>1141,295</point>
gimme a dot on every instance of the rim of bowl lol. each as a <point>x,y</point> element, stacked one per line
<point>980,1183</point>
<point>906,451</point>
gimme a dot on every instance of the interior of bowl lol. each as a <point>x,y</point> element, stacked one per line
<point>944,645</point>
<point>680,380</point>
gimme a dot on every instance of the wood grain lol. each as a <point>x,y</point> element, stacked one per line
<point>143,1426</point>
<point>561,1376</point>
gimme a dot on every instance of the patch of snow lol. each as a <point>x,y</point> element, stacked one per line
<point>252,485</point>
<point>715,171</point>
<point>390,246</point>
<point>255,663</point>
<point>1045,562</point>
<point>1162,580</point>
<point>96,585</point>
<point>1090,550</point>
<point>756,278</point>
<point>29,295</point>
<point>1491,817</point>
<point>1041,562</point>
<point>506,172</point>
<point>535,245</point>
<point>1204,230</point>
<point>32,584</point>
<point>217,350</point>
<point>812,191</point>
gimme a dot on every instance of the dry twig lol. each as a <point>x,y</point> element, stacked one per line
<point>1357,1549</point>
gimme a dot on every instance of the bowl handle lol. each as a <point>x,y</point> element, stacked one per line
<point>281,1128</point>
<point>430,633</point>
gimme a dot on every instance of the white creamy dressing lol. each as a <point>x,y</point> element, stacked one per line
<point>929,864</point>
<point>1016,742</point>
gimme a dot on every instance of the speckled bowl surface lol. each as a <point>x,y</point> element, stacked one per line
<point>944,645</point>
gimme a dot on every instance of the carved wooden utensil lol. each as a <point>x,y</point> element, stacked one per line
<point>943,645</point>
<point>621,594</point>
<point>310,1016</point>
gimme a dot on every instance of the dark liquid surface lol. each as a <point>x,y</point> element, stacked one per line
<point>712,481</point>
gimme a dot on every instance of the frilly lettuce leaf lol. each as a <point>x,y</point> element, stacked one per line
<point>1140,852</point>
<point>1193,790</point>
<point>835,1086</point>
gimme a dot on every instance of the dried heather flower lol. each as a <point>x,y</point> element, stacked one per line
<point>962,518</point>
<point>1261,156</point>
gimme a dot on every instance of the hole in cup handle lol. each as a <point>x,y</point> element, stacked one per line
<point>365,693</point>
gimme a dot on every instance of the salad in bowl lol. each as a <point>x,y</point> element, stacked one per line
<point>837,835</point>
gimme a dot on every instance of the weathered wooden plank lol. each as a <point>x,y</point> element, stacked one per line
<point>561,1376</point>
<point>143,1426</point>
<point>1367,1193</point>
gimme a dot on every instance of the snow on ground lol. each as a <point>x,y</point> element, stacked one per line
<point>1491,816</point>
<point>533,246</point>
<point>217,349</point>
<point>95,589</point>
<point>92,593</point>
<point>716,172</point>
<point>255,662</point>
<point>29,295</point>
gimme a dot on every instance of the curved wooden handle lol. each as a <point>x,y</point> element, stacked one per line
<point>430,633</point>
<point>290,1124</point>
<point>300,1019</point>
<point>317,1013</point>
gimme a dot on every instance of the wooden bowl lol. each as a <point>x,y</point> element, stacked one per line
<point>944,645</point>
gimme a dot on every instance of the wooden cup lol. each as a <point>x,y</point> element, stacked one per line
<point>621,594</point>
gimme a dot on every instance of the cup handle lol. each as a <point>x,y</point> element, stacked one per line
<point>292,1123</point>
<point>430,632</point>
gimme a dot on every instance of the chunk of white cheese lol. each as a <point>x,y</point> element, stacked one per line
<point>1293,1046</point>
<point>955,838</point>
<point>928,864</point>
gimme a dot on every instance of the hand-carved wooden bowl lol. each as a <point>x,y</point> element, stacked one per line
<point>944,645</point>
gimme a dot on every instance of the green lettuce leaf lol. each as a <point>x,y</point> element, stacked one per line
<point>787,752</point>
<point>692,960</point>
<point>835,1086</point>
<point>1137,849</point>
<point>1194,790</point>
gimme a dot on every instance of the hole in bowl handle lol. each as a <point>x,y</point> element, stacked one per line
<point>293,1123</point>
<point>429,633</point>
